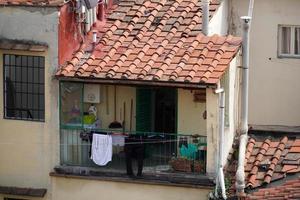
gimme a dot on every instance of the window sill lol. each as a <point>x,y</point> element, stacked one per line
<point>201,181</point>
<point>24,120</point>
<point>288,56</point>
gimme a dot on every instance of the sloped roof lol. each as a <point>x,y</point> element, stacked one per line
<point>271,159</point>
<point>151,40</point>
<point>31,2</point>
<point>289,190</point>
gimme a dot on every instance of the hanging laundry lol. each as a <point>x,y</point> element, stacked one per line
<point>101,149</point>
<point>118,140</point>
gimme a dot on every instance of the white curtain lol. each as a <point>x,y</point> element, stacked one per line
<point>285,40</point>
<point>297,41</point>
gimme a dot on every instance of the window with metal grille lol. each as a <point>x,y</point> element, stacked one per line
<point>24,79</point>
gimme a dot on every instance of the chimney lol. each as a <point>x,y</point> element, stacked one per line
<point>101,10</point>
<point>205,16</point>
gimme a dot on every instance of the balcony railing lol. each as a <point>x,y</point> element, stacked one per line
<point>162,153</point>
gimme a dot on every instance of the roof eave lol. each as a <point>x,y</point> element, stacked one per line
<point>186,85</point>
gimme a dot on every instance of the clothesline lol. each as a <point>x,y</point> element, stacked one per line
<point>154,142</point>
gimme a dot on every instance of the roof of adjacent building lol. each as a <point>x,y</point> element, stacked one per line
<point>289,190</point>
<point>154,41</point>
<point>32,2</point>
<point>270,158</point>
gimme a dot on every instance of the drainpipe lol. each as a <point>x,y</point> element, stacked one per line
<point>220,175</point>
<point>205,16</point>
<point>240,174</point>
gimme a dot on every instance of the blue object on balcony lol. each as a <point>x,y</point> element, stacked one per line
<point>189,151</point>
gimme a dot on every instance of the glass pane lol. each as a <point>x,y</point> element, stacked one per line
<point>286,40</point>
<point>18,60</point>
<point>71,103</point>
<point>297,41</point>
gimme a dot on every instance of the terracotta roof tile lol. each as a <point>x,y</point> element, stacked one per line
<point>288,190</point>
<point>32,2</point>
<point>270,159</point>
<point>150,40</point>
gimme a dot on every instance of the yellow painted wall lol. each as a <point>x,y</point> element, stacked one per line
<point>29,150</point>
<point>190,114</point>
<point>123,94</point>
<point>78,189</point>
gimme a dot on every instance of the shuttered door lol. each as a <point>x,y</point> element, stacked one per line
<point>143,109</point>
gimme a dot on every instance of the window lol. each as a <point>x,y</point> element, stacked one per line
<point>24,87</point>
<point>289,41</point>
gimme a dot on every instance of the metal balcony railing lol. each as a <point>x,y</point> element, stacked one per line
<point>162,152</point>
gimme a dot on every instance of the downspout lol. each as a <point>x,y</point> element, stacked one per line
<point>240,174</point>
<point>220,175</point>
<point>205,16</point>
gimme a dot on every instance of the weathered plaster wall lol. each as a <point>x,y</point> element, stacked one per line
<point>233,105</point>
<point>190,114</point>
<point>212,130</point>
<point>29,150</point>
<point>212,106</point>
<point>77,189</point>
<point>32,23</point>
<point>69,36</point>
<point>274,82</point>
<point>219,22</point>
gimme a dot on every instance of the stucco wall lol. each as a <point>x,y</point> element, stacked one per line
<point>69,188</point>
<point>69,36</point>
<point>29,150</point>
<point>274,83</point>
<point>212,101</point>
<point>190,114</point>
<point>219,22</point>
<point>233,105</point>
<point>212,130</point>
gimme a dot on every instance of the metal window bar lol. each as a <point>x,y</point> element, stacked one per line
<point>24,87</point>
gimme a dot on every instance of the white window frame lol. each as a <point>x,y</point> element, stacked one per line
<point>292,44</point>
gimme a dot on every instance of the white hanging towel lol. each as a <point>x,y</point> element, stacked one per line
<point>101,149</point>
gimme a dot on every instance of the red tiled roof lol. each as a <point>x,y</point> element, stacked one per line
<point>31,2</point>
<point>270,159</point>
<point>151,40</point>
<point>289,190</point>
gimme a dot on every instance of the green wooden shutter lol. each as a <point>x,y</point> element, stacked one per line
<point>143,109</point>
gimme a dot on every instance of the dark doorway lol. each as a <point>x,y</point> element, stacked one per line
<point>156,110</point>
<point>165,110</point>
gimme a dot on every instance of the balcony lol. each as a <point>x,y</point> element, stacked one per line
<point>164,155</point>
